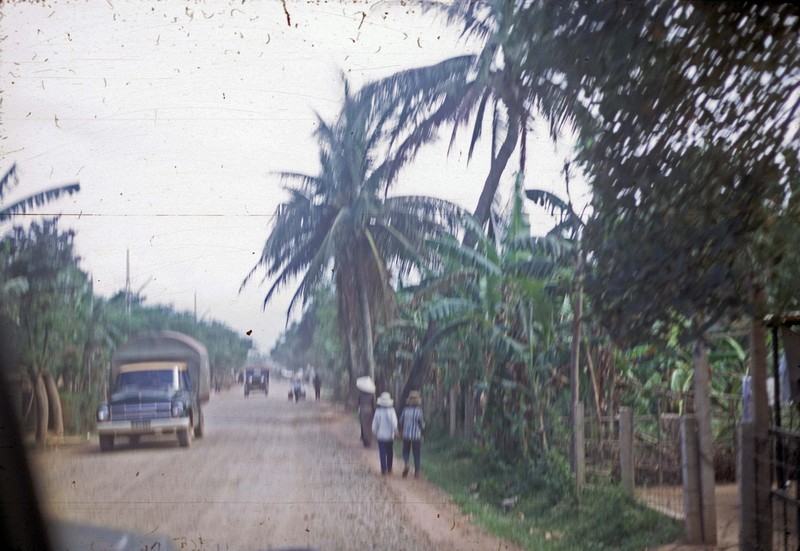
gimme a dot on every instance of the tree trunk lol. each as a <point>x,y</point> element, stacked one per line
<point>419,370</point>
<point>758,373</point>
<point>499,163</point>
<point>56,417</point>
<point>352,367</point>
<point>367,326</point>
<point>42,413</point>
<point>574,369</point>
<point>422,363</point>
<point>758,362</point>
<point>595,387</point>
<point>702,407</point>
<point>469,412</point>
<point>452,405</point>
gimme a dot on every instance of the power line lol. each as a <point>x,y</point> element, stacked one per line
<point>147,215</point>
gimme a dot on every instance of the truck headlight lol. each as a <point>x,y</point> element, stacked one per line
<point>177,409</point>
<point>102,413</point>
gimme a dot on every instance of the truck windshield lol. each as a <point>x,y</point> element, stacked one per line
<point>186,382</point>
<point>155,380</point>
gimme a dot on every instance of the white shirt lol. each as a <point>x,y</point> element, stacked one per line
<point>384,424</point>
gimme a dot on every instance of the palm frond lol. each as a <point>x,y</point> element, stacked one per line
<point>459,280</point>
<point>536,268</point>
<point>445,331</point>
<point>467,257</point>
<point>37,200</point>
<point>555,205</point>
<point>550,246</point>
<point>9,179</point>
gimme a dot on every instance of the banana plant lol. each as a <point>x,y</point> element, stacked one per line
<point>495,294</point>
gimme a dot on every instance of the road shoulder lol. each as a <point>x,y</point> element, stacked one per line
<point>426,506</point>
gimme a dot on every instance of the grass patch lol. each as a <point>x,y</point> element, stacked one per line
<point>605,519</point>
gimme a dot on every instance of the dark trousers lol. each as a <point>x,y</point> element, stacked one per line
<point>412,445</point>
<point>386,453</point>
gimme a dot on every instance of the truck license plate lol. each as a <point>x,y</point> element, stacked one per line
<point>140,424</point>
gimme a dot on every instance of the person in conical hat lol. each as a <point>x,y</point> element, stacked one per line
<point>384,427</point>
<point>366,408</point>
<point>412,426</point>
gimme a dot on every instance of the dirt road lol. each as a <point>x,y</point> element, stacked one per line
<point>268,474</point>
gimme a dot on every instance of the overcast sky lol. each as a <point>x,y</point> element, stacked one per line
<point>174,120</point>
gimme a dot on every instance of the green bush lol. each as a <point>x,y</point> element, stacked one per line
<point>78,411</point>
<point>547,516</point>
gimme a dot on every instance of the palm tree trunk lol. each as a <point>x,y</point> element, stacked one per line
<point>761,421</point>
<point>595,386</point>
<point>56,418</point>
<point>352,350</point>
<point>575,373</point>
<point>42,413</point>
<point>366,320</point>
<point>419,369</point>
<point>421,363</point>
<point>499,164</point>
<point>702,402</point>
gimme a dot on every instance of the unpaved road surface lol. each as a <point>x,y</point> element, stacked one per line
<point>268,474</point>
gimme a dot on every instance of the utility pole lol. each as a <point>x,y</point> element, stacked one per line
<point>128,282</point>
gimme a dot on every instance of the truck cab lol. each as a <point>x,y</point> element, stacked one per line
<point>157,385</point>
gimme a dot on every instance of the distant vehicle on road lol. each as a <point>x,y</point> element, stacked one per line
<point>256,378</point>
<point>158,383</point>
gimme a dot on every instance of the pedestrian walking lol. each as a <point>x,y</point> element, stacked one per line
<point>366,408</point>
<point>317,386</point>
<point>297,389</point>
<point>384,427</point>
<point>412,426</point>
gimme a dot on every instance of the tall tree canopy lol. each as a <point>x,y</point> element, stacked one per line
<point>340,227</point>
<point>686,121</point>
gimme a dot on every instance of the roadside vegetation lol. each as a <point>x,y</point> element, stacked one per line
<point>646,299</point>
<point>544,516</point>
<point>64,333</point>
<point>683,119</point>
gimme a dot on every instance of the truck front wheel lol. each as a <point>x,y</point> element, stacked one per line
<point>106,443</point>
<point>201,425</point>
<point>185,438</point>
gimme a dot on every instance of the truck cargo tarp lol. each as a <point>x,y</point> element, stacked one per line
<point>166,346</point>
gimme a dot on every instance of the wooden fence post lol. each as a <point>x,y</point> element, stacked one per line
<point>580,446</point>
<point>748,531</point>
<point>755,528</point>
<point>469,413</point>
<point>626,464</point>
<point>453,406</point>
<point>690,466</point>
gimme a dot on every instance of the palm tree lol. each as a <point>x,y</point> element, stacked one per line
<point>10,180</point>
<point>451,92</point>
<point>458,89</point>
<point>338,228</point>
<point>10,290</point>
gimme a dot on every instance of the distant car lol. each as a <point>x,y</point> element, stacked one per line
<point>256,379</point>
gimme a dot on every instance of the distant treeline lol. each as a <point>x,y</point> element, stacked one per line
<point>58,335</point>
